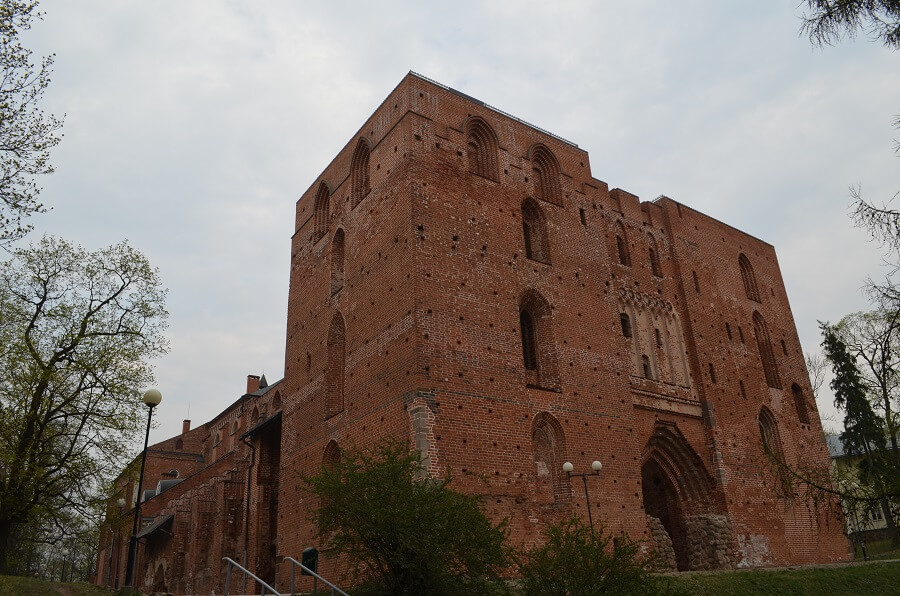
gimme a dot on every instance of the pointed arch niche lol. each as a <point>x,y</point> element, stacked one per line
<point>359,172</point>
<point>622,251</point>
<point>331,455</point>
<point>770,438</point>
<point>482,147</point>
<point>334,371</point>
<point>800,404</point>
<point>538,347</point>
<point>337,261</point>
<point>545,172</point>
<point>766,355</point>
<point>653,253</point>
<point>534,229</point>
<point>548,445</point>
<point>321,212</point>
<point>749,278</point>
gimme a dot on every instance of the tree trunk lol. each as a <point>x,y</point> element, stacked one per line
<point>6,530</point>
<point>891,523</point>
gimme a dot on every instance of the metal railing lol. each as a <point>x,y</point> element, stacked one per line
<point>307,571</point>
<point>232,563</point>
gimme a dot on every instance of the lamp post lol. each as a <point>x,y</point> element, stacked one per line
<point>151,399</point>
<point>596,466</point>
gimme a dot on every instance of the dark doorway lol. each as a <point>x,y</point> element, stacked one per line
<point>661,501</point>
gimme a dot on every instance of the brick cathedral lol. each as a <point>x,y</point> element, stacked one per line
<point>459,278</point>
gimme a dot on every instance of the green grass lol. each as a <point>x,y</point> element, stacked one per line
<point>855,579</point>
<point>26,586</point>
<point>880,578</point>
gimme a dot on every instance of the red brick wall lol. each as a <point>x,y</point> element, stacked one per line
<point>433,275</point>
<point>458,238</point>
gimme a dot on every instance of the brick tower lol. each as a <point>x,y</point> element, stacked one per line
<point>459,277</point>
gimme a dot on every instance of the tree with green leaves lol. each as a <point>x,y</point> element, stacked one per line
<point>864,433</point>
<point>575,559</point>
<point>873,339</point>
<point>405,533</point>
<point>77,332</point>
<point>27,133</point>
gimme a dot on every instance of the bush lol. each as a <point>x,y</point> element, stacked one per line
<point>404,534</point>
<point>574,560</point>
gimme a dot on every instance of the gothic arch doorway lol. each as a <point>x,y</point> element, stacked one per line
<point>684,510</point>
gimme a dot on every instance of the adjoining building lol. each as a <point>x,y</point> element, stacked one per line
<point>459,278</point>
<point>865,521</point>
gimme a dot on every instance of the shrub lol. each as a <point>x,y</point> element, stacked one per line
<point>405,534</point>
<point>575,560</point>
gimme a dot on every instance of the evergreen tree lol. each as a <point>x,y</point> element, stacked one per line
<point>864,431</point>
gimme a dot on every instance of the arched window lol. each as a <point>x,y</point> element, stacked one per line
<point>538,348</point>
<point>276,401</point>
<point>766,356</point>
<point>800,403</point>
<point>359,173</point>
<point>645,365</point>
<point>321,211</point>
<point>549,448</point>
<point>654,258</point>
<point>771,443</point>
<point>482,148</point>
<point>625,321</point>
<point>334,372</point>
<point>179,445</point>
<point>545,170</point>
<point>534,228</point>
<point>529,341</point>
<point>622,245</point>
<point>337,261</point>
<point>254,416</point>
<point>748,277</point>
<point>331,456</point>
<point>768,431</point>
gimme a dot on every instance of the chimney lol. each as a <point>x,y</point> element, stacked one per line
<point>252,383</point>
<point>185,426</point>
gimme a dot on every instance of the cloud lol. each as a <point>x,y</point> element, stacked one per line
<point>192,129</point>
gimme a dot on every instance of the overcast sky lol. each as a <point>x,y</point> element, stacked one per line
<point>192,128</point>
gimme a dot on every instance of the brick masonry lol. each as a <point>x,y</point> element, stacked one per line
<point>461,280</point>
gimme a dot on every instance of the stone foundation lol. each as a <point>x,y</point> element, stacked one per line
<point>662,544</point>
<point>710,542</point>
